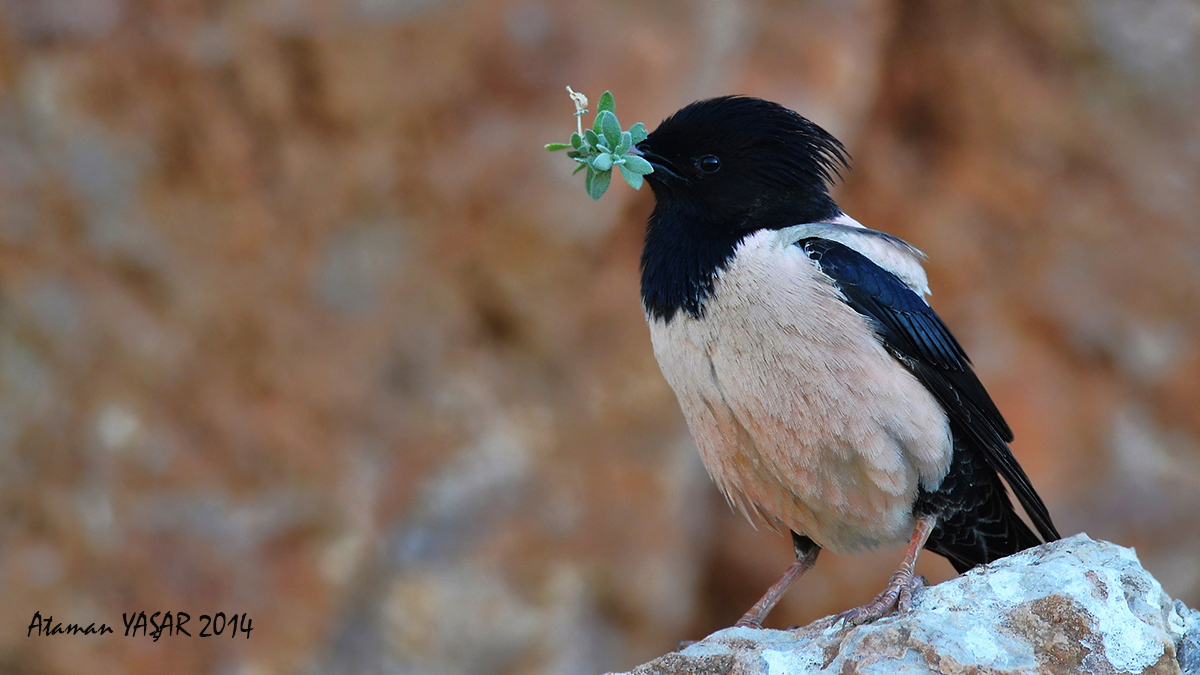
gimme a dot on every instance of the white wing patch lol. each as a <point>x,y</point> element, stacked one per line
<point>889,252</point>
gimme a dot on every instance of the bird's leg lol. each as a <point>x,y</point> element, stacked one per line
<point>806,557</point>
<point>897,596</point>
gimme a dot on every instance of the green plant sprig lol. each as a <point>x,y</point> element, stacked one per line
<point>605,146</point>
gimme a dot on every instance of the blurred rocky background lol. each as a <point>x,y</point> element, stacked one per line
<point>297,319</point>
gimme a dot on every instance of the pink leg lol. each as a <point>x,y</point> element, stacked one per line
<point>806,557</point>
<point>897,596</point>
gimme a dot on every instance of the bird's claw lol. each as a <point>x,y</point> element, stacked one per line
<point>896,597</point>
<point>908,592</point>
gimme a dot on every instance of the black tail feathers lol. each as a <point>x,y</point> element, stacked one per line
<point>976,519</point>
<point>966,539</point>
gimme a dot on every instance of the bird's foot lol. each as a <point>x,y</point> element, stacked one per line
<point>896,597</point>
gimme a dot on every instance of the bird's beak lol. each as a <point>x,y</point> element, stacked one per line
<point>659,163</point>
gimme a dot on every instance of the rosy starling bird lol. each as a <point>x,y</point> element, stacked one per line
<point>825,395</point>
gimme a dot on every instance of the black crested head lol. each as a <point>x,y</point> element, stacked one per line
<point>723,168</point>
<point>735,156</point>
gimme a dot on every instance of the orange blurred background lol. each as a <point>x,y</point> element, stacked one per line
<point>297,318</point>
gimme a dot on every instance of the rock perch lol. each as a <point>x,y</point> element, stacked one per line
<point>1071,606</point>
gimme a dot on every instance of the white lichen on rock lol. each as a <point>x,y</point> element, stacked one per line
<point>1072,606</point>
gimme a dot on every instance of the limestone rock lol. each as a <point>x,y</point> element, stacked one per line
<point>1072,606</point>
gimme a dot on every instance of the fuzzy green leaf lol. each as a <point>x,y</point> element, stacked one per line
<point>579,168</point>
<point>634,179</point>
<point>603,162</point>
<point>598,184</point>
<point>591,137</point>
<point>606,103</point>
<point>577,141</point>
<point>638,131</point>
<point>637,165</point>
<point>552,147</point>
<point>625,144</point>
<point>607,124</point>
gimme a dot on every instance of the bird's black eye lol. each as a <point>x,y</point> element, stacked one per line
<point>708,164</point>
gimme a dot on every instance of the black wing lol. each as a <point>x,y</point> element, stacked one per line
<point>916,336</point>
